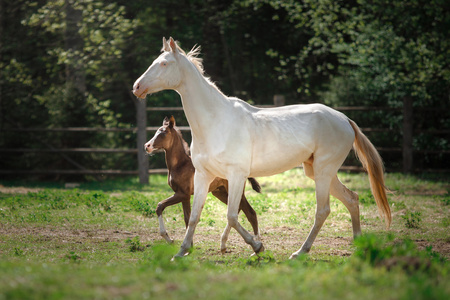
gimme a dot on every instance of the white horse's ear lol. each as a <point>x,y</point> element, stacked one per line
<point>173,45</point>
<point>165,45</point>
<point>166,121</point>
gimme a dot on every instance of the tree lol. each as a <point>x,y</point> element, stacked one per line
<point>88,40</point>
<point>391,52</point>
<point>70,64</point>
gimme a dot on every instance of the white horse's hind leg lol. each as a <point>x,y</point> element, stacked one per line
<point>235,189</point>
<point>346,196</point>
<point>350,200</point>
<point>322,211</point>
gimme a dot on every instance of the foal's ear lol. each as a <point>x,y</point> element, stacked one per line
<point>173,45</point>
<point>171,122</point>
<point>165,46</point>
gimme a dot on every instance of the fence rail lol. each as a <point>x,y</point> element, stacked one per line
<point>406,149</point>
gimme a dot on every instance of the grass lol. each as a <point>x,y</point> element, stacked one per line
<point>101,241</point>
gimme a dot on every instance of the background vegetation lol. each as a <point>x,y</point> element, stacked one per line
<point>68,63</point>
<point>101,241</point>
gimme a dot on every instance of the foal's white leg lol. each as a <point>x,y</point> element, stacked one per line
<point>224,238</point>
<point>201,186</point>
<point>322,211</point>
<point>236,186</point>
<point>162,230</point>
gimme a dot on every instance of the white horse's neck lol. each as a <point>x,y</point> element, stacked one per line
<point>203,103</point>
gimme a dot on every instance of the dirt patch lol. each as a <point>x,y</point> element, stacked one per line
<point>18,190</point>
<point>282,241</point>
<point>441,246</point>
<point>75,235</point>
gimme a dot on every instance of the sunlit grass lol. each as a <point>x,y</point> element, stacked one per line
<point>86,236</point>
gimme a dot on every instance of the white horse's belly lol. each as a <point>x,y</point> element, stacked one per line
<point>278,154</point>
<point>277,164</point>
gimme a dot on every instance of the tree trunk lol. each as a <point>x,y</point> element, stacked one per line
<point>1,59</point>
<point>75,78</point>
<point>407,135</point>
<point>141,120</point>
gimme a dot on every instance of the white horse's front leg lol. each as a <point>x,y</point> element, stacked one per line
<point>201,185</point>
<point>236,186</point>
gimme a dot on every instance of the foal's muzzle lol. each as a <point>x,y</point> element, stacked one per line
<point>149,148</point>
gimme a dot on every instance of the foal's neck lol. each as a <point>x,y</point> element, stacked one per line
<point>176,154</point>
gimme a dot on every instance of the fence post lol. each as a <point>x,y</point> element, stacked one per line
<point>407,135</point>
<point>279,100</point>
<point>141,120</point>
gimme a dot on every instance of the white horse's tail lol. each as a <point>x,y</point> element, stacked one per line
<point>373,164</point>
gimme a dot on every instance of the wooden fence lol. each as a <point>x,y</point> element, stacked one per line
<point>406,149</point>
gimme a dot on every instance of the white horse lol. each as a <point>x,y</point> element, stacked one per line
<point>232,139</point>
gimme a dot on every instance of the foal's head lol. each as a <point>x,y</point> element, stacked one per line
<point>165,137</point>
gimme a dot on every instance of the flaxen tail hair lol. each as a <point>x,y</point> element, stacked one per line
<point>373,164</point>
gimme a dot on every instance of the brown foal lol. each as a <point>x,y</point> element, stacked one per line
<point>181,179</point>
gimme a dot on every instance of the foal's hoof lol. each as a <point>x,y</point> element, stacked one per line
<point>167,238</point>
<point>259,249</point>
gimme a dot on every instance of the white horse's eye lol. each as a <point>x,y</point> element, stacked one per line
<point>164,63</point>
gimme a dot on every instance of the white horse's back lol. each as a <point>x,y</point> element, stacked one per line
<point>284,137</point>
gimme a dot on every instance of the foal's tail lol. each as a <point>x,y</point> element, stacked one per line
<point>255,184</point>
<point>373,164</point>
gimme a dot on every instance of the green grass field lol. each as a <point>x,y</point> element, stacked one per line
<point>101,241</point>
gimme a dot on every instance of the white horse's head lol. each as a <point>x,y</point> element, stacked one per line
<point>163,73</point>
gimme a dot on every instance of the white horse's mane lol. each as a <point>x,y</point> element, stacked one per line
<point>197,61</point>
<point>192,56</point>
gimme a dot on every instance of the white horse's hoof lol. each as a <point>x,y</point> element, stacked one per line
<point>297,253</point>
<point>293,256</point>
<point>178,256</point>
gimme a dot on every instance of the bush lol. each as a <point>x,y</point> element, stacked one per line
<point>403,254</point>
<point>412,219</point>
<point>135,244</point>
